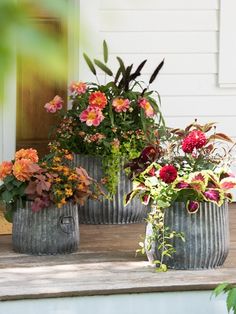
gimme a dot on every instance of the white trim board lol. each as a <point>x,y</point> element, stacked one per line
<point>227,44</point>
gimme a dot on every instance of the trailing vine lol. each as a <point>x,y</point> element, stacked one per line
<point>162,235</point>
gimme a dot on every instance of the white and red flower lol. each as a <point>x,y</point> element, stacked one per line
<point>92,116</point>
<point>54,105</point>
<point>148,109</point>
<point>120,104</point>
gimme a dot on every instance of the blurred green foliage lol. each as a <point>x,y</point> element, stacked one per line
<point>22,37</point>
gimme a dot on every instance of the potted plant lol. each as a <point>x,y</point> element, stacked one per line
<point>186,181</point>
<point>108,123</point>
<point>40,199</point>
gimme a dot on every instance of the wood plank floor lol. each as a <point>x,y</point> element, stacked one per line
<point>105,264</point>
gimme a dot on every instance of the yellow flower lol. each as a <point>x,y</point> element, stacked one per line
<point>56,159</point>
<point>73,177</point>
<point>69,192</point>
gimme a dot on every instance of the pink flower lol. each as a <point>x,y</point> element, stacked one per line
<point>5,169</point>
<point>198,137</point>
<point>54,105</point>
<point>188,145</point>
<point>92,116</point>
<point>120,104</point>
<point>78,87</point>
<point>195,139</point>
<point>143,103</point>
<point>98,100</point>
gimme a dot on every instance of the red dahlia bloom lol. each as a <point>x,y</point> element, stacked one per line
<point>195,139</point>
<point>188,145</point>
<point>168,174</point>
<point>198,137</point>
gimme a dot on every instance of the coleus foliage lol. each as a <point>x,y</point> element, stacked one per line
<point>202,165</point>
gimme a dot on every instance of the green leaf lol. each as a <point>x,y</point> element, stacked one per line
<point>7,196</point>
<point>231,300</point>
<point>103,67</point>
<point>222,288</point>
<point>157,70</point>
<point>21,190</point>
<point>9,215</point>
<point>105,51</point>
<point>118,73</point>
<point>17,183</point>
<point>90,64</point>
<point>9,179</point>
<point>122,65</point>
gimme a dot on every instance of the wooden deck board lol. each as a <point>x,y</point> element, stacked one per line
<point>105,264</point>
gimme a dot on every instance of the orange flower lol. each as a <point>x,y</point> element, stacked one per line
<point>23,169</point>
<point>143,103</point>
<point>5,169</point>
<point>29,153</point>
<point>98,100</point>
<point>120,104</point>
<point>69,156</point>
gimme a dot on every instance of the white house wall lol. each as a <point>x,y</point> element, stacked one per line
<point>186,34</point>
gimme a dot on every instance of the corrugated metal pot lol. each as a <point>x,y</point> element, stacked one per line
<point>46,232</point>
<point>108,211</point>
<point>206,236</point>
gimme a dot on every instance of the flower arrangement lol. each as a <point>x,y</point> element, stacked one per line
<point>114,120</point>
<point>44,183</point>
<point>188,165</point>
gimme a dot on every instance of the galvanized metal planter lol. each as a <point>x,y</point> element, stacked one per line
<point>109,211</point>
<point>47,232</point>
<point>206,236</point>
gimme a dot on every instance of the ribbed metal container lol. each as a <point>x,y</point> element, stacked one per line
<point>206,236</point>
<point>109,211</point>
<point>46,232</point>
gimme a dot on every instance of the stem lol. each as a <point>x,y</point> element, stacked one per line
<point>97,80</point>
<point>163,237</point>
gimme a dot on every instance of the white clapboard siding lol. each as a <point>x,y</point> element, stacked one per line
<point>201,106</point>
<point>126,21</point>
<point>154,42</point>
<point>160,4</point>
<point>174,63</point>
<point>186,34</point>
<point>195,85</point>
<point>224,124</point>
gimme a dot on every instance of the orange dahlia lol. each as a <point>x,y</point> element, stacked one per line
<point>23,169</point>
<point>29,153</point>
<point>98,100</point>
<point>5,169</point>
